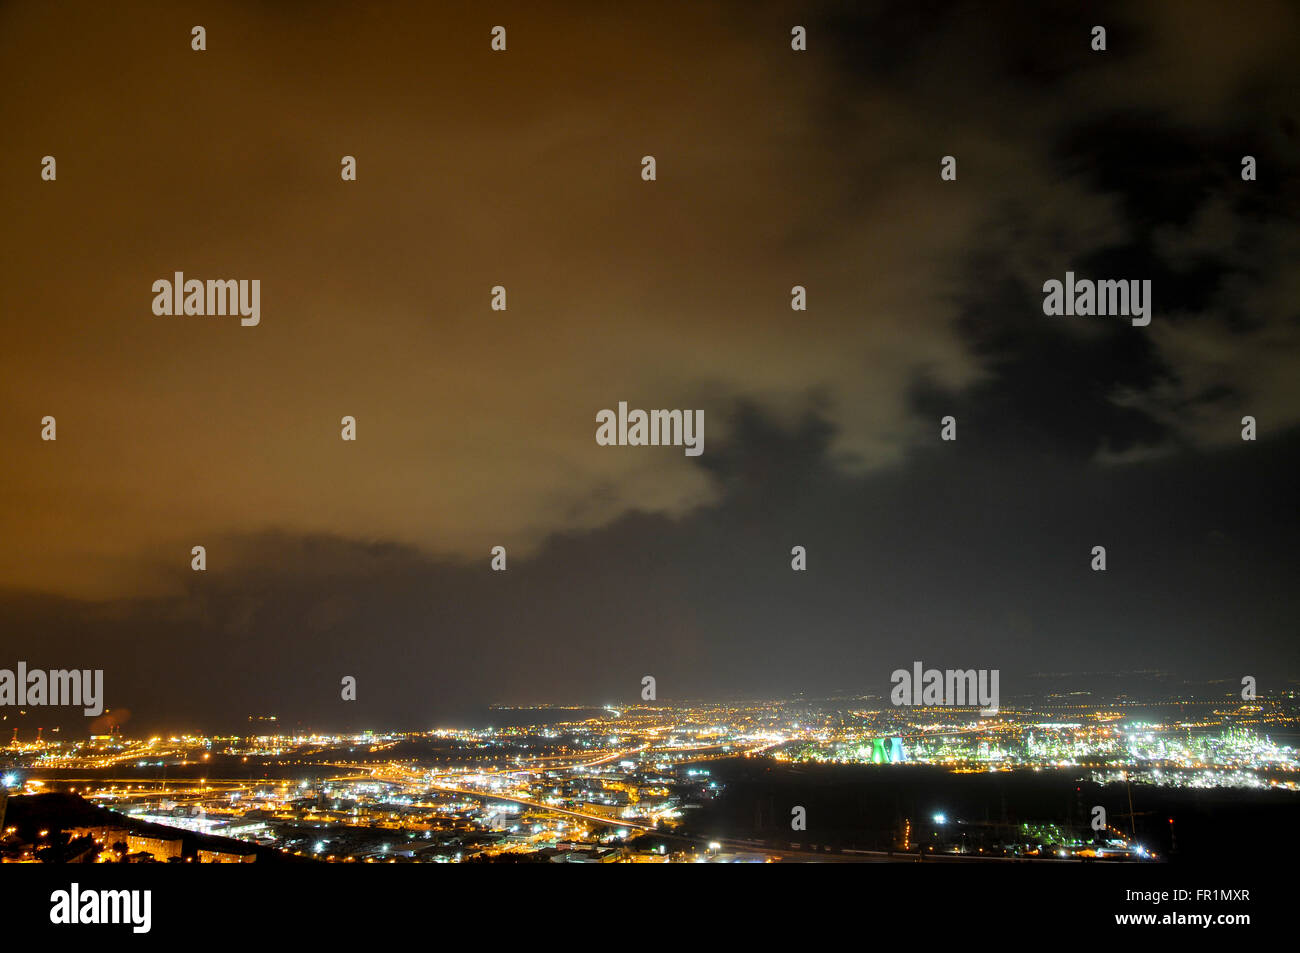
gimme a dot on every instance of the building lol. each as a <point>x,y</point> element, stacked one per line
<point>162,848</point>
<point>225,857</point>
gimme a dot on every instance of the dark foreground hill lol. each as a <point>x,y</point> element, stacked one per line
<point>57,813</point>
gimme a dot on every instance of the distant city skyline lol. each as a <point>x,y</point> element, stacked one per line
<point>1086,691</point>
<point>758,781</point>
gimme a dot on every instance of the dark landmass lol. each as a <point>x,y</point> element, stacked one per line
<point>59,812</point>
<point>867,807</point>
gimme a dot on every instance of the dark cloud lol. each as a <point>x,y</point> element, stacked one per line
<point>966,562</point>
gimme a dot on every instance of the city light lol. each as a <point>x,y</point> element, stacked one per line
<point>601,786</point>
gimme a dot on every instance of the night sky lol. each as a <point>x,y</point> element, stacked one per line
<point>476,427</point>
